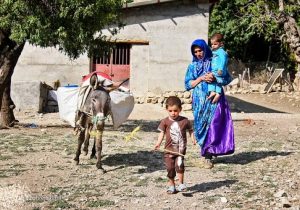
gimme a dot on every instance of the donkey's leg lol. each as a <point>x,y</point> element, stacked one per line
<point>80,142</point>
<point>99,149</point>
<point>86,139</point>
<point>93,154</point>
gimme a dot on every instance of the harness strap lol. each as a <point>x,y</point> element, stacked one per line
<point>89,88</point>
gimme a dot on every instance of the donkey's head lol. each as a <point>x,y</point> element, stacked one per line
<point>100,103</point>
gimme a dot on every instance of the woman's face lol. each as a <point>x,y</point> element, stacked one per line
<point>198,52</point>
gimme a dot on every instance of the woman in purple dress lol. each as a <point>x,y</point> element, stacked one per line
<point>213,125</point>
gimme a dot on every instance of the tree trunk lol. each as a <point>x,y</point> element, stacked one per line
<point>292,35</point>
<point>7,107</point>
<point>281,5</point>
<point>10,52</point>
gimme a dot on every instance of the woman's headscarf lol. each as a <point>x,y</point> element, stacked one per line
<point>206,50</point>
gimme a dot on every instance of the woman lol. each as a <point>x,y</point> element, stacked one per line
<point>213,125</point>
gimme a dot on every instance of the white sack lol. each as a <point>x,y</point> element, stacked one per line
<point>67,103</point>
<point>122,104</point>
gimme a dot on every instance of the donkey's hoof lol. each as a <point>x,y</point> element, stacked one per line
<point>101,170</point>
<point>93,157</point>
<point>99,166</point>
<point>76,161</point>
<point>85,152</point>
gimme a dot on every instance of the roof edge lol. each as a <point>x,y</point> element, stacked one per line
<point>144,3</point>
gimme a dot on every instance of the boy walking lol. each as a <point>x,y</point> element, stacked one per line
<point>174,127</point>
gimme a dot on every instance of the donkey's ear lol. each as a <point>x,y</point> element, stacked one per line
<point>94,81</point>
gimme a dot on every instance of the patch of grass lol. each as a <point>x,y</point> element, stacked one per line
<point>54,189</point>
<point>210,199</point>
<point>249,194</point>
<point>42,166</point>
<point>62,204</point>
<point>62,168</point>
<point>133,179</point>
<point>18,165</point>
<point>142,182</point>
<point>142,195</point>
<point>11,172</point>
<point>236,205</point>
<point>87,166</point>
<point>5,157</point>
<point>100,203</point>
<point>3,175</point>
<point>160,179</point>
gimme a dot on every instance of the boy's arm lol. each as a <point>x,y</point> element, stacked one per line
<point>191,132</point>
<point>159,140</point>
<point>222,74</point>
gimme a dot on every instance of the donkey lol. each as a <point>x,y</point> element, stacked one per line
<point>96,108</point>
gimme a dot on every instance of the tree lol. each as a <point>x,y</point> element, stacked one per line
<point>72,26</point>
<point>241,20</point>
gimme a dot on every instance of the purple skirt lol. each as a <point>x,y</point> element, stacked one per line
<point>220,136</point>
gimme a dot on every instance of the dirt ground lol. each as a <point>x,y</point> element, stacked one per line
<point>37,170</point>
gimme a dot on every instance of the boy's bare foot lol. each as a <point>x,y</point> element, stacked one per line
<point>211,95</point>
<point>216,98</point>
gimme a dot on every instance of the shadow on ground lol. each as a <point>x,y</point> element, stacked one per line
<point>238,105</point>
<point>152,161</point>
<point>207,186</point>
<point>130,125</point>
<point>244,158</point>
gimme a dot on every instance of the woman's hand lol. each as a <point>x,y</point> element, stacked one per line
<point>209,77</point>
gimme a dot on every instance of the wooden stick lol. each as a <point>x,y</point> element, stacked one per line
<point>176,153</point>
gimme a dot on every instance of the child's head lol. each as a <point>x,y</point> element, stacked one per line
<point>216,41</point>
<point>173,106</point>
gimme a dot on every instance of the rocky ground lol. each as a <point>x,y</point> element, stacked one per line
<point>37,169</point>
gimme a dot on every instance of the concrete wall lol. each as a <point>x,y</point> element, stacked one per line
<point>49,65</point>
<point>170,30</point>
<point>29,95</point>
<point>156,67</point>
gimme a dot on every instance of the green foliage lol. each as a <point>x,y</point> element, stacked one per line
<point>100,203</point>
<point>241,20</point>
<point>73,26</point>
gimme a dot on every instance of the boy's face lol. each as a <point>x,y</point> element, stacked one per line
<point>173,111</point>
<point>215,44</point>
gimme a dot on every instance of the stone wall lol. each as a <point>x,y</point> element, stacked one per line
<point>160,99</point>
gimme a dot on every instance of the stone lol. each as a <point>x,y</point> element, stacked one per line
<point>180,94</point>
<point>224,200</point>
<point>161,100</point>
<point>285,203</point>
<point>148,100</point>
<point>234,82</point>
<point>187,100</point>
<point>186,94</point>
<point>172,93</point>
<point>280,193</point>
<point>154,100</point>
<point>187,107</point>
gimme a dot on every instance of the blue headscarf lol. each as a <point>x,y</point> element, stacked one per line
<point>202,44</point>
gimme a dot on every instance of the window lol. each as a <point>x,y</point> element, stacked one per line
<point>120,55</point>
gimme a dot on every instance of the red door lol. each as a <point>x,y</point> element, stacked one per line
<point>116,64</point>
